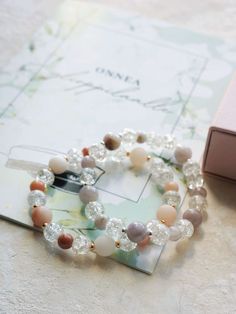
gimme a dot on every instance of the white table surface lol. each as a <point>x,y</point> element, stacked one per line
<point>191,278</point>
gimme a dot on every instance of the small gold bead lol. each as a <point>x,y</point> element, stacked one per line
<point>127,154</point>
<point>117,244</point>
<point>163,221</point>
<point>148,158</point>
<point>92,246</point>
<point>44,225</point>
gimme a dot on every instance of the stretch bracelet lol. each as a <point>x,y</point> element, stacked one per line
<point>130,150</point>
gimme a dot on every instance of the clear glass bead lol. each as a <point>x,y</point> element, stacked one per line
<point>159,232</point>
<point>128,137</point>
<point>154,141</point>
<point>98,152</point>
<point>74,157</point>
<point>186,228</point>
<point>94,210</point>
<point>198,202</point>
<point>52,231</point>
<point>155,165</point>
<point>171,198</point>
<point>37,198</point>
<point>169,142</point>
<point>87,176</point>
<point>45,176</point>
<point>125,244</point>
<point>164,176</point>
<point>191,168</point>
<point>114,228</point>
<point>194,182</point>
<point>120,154</point>
<point>81,245</point>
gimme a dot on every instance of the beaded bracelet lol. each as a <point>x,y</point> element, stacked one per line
<point>119,149</point>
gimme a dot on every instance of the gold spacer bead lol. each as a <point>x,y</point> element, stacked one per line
<point>92,246</point>
<point>163,221</point>
<point>44,225</point>
<point>117,243</point>
<point>148,158</point>
<point>127,154</point>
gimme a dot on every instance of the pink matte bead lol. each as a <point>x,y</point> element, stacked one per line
<point>41,215</point>
<point>171,186</point>
<point>37,185</point>
<point>182,154</point>
<point>167,214</point>
<point>138,157</point>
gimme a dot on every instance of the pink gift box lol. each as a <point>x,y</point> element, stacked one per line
<point>219,157</point>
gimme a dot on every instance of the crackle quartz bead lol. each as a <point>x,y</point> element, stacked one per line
<point>74,159</point>
<point>52,231</point>
<point>87,176</point>
<point>98,152</point>
<point>114,228</point>
<point>37,198</point>
<point>111,141</point>
<point>125,244</point>
<point>186,228</point>
<point>194,182</point>
<point>191,168</point>
<point>198,202</point>
<point>159,232</point>
<point>81,245</point>
<point>154,141</point>
<point>94,210</point>
<point>164,176</point>
<point>175,233</point>
<point>104,246</point>
<point>41,215</point>
<point>171,198</point>
<point>167,214</point>
<point>169,142</point>
<point>136,231</point>
<point>88,194</point>
<point>198,191</point>
<point>88,162</point>
<point>65,241</point>
<point>46,176</point>
<point>182,154</point>
<point>128,137</point>
<point>138,157</point>
<point>155,165</point>
<point>100,222</point>
<point>58,164</point>
<point>193,215</point>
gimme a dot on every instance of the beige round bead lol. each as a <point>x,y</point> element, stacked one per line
<point>41,215</point>
<point>138,157</point>
<point>58,164</point>
<point>104,246</point>
<point>182,154</point>
<point>167,214</point>
<point>171,186</point>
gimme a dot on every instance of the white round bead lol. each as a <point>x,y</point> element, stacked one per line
<point>138,157</point>
<point>58,164</point>
<point>182,154</point>
<point>104,246</point>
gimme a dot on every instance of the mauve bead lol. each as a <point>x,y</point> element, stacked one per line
<point>101,222</point>
<point>41,215</point>
<point>171,186</point>
<point>58,164</point>
<point>111,141</point>
<point>182,154</point>
<point>194,216</point>
<point>167,214</point>
<point>141,137</point>
<point>198,191</point>
<point>88,194</point>
<point>65,241</point>
<point>136,232</point>
<point>37,185</point>
<point>88,162</point>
